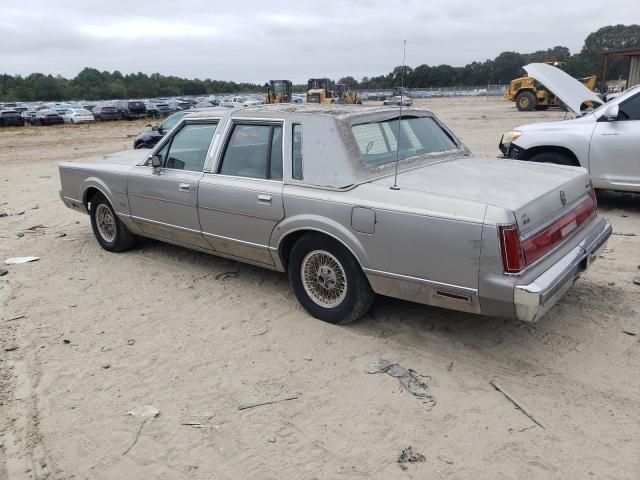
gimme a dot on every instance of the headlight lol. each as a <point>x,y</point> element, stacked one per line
<point>510,137</point>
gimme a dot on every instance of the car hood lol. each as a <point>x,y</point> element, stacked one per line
<point>569,90</point>
<point>126,157</point>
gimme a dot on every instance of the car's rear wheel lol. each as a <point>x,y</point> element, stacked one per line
<point>328,281</point>
<point>111,233</point>
<point>526,101</point>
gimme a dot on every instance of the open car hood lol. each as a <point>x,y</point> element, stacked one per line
<point>569,90</point>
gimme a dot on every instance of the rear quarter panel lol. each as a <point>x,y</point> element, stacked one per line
<point>415,234</point>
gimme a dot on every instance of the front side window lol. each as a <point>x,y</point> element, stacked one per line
<point>378,141</point>
<point>254,151</point>
<point>296,152</point>
<point>630,110</point>
<point>188,148</point>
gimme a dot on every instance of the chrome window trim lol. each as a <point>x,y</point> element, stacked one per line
<point>225,135</point>
<point>174,131</point>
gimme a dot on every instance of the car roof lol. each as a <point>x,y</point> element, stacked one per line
<point>341,112</point>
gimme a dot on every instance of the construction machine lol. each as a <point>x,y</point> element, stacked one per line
<point>529,94</point>
<point>320,90</point>
<point>279,91</point>
<point>345,95</point>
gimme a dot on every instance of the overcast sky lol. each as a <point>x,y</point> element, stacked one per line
<point>256,41</point>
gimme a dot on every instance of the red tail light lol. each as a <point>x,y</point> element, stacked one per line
<point>518,253</point>
<point>512,255</point>
<point>540,243</point>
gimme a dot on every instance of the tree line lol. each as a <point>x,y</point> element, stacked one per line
<point>91,84</point>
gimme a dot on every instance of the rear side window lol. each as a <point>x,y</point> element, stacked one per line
<point>378,141</point>
<point>630,110</point>
<point>254,151</point>
<point>296,152</point>
<point>188,148</point>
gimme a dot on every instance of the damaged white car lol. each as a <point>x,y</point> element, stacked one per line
<point>604,140</point>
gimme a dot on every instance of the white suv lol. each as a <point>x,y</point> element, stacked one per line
<point>605,141</point>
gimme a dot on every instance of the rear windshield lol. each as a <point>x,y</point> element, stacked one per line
<point>378,141</point>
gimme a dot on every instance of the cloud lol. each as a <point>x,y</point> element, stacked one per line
<point>255,41</point>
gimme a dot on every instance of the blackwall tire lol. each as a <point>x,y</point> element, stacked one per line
<point>526,101</point>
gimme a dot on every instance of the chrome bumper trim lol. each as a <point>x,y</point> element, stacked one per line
<point>533,300</point>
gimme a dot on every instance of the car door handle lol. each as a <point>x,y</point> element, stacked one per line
<point>264,198</point>
<point>184,187</point>
<point>608,134</point>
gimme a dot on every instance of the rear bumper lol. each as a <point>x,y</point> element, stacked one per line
<point>534,299</point>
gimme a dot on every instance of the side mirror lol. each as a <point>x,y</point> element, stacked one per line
<point>155,128</point>
<point>156,163</point>
<point>612,112</point>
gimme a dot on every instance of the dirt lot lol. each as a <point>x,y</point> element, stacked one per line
<point>86,336</point>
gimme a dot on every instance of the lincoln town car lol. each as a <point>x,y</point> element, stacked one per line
<point>351,202</point>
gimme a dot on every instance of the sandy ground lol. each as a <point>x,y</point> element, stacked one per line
<point>100,334</point>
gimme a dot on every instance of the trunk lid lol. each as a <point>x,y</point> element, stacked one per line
<point>126,157</point>
<point>534,192</point>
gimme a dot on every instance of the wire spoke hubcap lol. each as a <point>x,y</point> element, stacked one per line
<point>106,223</point>
<point>323,278</point>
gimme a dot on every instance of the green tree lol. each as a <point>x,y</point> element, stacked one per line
<point>612,37</point>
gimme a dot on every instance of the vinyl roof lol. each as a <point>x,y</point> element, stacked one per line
<point>338,111</point>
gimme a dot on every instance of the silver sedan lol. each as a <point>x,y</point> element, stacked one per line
<point>351,202</point>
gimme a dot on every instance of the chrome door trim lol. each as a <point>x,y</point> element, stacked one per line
<point>211,209</point>
<point>158,199</point>
<point>209,251</point>
<point>235,240</point>
<point>168,225</point>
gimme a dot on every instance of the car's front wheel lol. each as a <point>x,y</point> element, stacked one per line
<point>328,281</point>
<point>111,233</point>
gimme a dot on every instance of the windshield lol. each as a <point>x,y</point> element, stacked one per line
<point>378,141</point>
<point>627,93</point>
<point>172,121</point>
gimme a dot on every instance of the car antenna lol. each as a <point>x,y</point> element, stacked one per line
<point>395,178</point>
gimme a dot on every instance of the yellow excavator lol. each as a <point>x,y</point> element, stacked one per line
<point>279,91</point>
<point>529,94</point>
